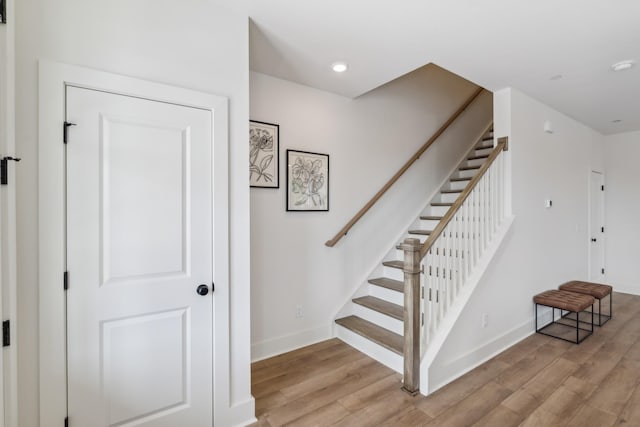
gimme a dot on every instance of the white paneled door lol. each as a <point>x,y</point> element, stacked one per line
<point>596,227</point>
<point>139,262</point>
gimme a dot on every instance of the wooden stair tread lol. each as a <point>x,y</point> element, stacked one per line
<point>441,204</point>
<point>451,191</point>
<point>459,179</point>
<point>384,282</point>
<point>469,168</point>
<point>420,232</point>
<point>484,156</point>
<point>489,138</point>
<point>430,218</point>
<point>394,264</point>
<point>373,332</point>
<point>381,306</point>
<point>484,146</point>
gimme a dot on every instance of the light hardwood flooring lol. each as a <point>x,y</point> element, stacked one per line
<point>541,381</point>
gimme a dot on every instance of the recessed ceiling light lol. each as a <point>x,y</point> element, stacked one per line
<point>339,67</point>
<point>556,77</point>
<point>623,65</point>
<point>616,121</point>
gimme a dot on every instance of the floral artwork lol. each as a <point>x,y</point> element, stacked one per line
<point>263,154</point>
<point>307,181</point>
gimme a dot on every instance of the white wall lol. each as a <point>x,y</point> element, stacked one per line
<point>544,248</point>
<point>194,44</point>
<point>622,210</point>
<point>368,139</point>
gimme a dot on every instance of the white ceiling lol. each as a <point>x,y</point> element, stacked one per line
<point>494,43</point>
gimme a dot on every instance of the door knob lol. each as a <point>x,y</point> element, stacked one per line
<point>202,290</point>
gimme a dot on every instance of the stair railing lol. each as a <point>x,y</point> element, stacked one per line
<point>344,230</point>
<point>447,258</point>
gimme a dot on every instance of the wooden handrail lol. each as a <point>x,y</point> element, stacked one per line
<point>403,169</point>
<point>502,145</point>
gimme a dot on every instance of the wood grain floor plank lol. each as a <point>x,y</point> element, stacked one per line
<point>525,369</point>
<point>500,416</point>
<point>588,416</point>
<point>563,403</point>
<point>292,355</point>
<point>456,391</point>
<point>549,378</point>
<point>294,377</point>
<point>582,388</point>
<point>630,415</point>
<point>379,410</point>
<point>356,379</point>
<point>323,416</point>
<point>389,385</point>
<point>540,418</point>
<point>540,381</point>
<point>521,403</point>
<point>474,407</point>
<point>616,389</point>
<point>410,417</point>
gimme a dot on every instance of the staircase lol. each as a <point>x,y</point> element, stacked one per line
<point>373,321</point>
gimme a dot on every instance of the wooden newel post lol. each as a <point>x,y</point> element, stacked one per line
<point>411,270</point>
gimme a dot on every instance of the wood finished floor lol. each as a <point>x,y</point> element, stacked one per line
<point>541,381</point>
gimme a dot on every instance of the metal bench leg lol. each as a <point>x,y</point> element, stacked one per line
<point>578,325</point>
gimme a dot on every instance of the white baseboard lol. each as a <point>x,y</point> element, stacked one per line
<point>481,354</point>
<point>283,344</point>
<point>241,414</point>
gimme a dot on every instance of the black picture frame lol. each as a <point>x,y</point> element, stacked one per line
<point>264,154</point>
<point>307,181</point>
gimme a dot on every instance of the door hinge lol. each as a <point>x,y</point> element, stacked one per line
<point>4,166</point>
<point>603,271</point>
<point>65,131</point>
<point>602,188</point>
<point>65,280</point>
<point>422,317</point>
<point>6,333</point>
<point>602,229</point>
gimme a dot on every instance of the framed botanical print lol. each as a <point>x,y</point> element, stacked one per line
<point>264,154</point>
<point>307,181</point>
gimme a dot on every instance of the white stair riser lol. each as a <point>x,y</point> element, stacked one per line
<point>474,162</point>
<point>382,320</point>
<point>483,151</point>
<point>438,210</point>
<point>427,224</point>
<point>371,349</point>
<point>457,185</point>
<point>466,174</point>
<point>386,294</point>
<point>393,273</point>
<point>446,197</point>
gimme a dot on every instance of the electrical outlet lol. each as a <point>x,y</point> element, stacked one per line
<point>298,312</point>
<point>485,320</point>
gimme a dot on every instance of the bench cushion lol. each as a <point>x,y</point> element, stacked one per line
<point>564,300</point>
<point>596,290</point>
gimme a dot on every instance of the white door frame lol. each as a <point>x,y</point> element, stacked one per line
<point>53,79</point>
<point>593,232</point>
<point>8,249</point>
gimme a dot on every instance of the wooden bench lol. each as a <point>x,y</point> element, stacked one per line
<point>568,301</point>
<point>596,290</point>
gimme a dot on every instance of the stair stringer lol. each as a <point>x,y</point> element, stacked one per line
<point>346,308</point>
<point>457,307</point>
